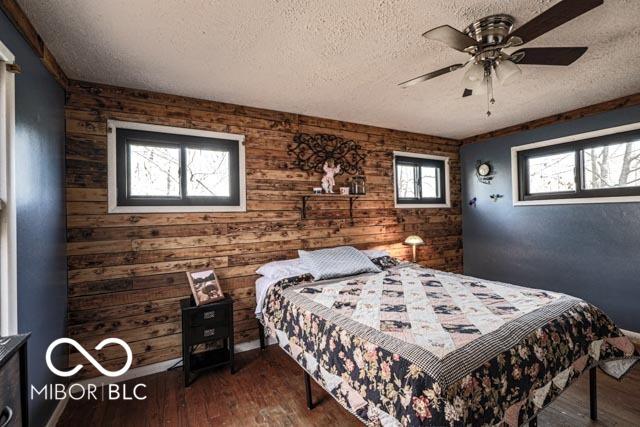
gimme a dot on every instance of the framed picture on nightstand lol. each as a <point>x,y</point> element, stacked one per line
<point>205,286</point>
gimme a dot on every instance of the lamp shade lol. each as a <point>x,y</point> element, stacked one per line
<point>414,240</point>
<point>479,87</point>
<point>507,71</point>
<point>474,73</point>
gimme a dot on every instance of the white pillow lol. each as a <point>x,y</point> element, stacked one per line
<point>337,262</point>
<point>282,269</point>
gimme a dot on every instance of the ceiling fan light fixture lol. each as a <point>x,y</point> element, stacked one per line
<point>485,40</point>
<point>507,71</point>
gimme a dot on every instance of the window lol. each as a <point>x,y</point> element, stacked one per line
<point>421,180</point>
<point>601,166</point>
<point>163,169</point>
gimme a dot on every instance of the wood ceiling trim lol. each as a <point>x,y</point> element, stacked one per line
<point>15,13</point>
<point>613,104</point>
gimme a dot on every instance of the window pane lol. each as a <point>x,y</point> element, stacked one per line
<point>406,182</point>
<point>551,174</point>
<point>612,166</point>
<point>429,183</point>
<point>155,171</point>
<point>208,173</point>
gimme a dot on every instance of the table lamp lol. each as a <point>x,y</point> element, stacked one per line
<point>414,241</point>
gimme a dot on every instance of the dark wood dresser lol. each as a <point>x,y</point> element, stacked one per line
<point>13,381</point>
<point>209,330</point>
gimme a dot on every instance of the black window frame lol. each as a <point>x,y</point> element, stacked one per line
<point>126,137</point>
<point>418,163</point>
<point>577,147</point>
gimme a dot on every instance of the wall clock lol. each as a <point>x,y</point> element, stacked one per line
<point>484,172</point>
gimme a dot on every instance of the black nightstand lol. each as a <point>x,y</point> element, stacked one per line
<point>207,324</point>
<point>13,381</point>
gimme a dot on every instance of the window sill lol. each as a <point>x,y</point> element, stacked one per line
<point>578,201</point>
<point>422,206</point>
<point>175,209</point>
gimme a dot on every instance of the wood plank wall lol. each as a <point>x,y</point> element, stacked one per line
<point>126,271</point>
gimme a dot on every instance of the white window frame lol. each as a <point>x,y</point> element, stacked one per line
<point>8,231</point>
<point>515,190</point>
<point>447,183</point>
<point>112,128</point>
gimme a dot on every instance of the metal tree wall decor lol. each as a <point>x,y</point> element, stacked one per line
<point>312,151</point>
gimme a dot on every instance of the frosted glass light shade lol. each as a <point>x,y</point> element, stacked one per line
<point>474,73</point>
<point>507,71</point>
<point>414,240</point>
<point>479,87</point>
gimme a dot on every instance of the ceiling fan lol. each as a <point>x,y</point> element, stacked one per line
<point>486,38</point>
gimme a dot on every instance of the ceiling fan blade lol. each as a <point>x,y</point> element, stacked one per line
<point>451,37</point>
<point>431,75</point>
<point>467,92</point>
<point>547,55</point>
<point>553,17</point>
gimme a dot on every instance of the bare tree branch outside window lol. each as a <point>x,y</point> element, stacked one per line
<point>155,171</point>
<point>610,166</point>
<point>207,173</point>
<point>552,173</point>
<point>429,185</point>
<point>406,182</point>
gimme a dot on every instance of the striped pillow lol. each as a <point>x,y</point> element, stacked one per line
<point>336,262</point>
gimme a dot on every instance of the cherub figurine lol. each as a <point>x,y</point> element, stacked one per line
<point>330,170</point>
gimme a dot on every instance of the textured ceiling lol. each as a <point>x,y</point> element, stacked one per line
<point>340,59</point>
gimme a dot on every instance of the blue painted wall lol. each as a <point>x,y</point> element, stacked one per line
<point>591,251</point>
<point>42,276</point>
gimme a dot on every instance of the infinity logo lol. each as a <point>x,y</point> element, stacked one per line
<point>90,358</point>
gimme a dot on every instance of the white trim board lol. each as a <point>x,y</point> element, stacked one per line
<point>113,125</point>
<point>6,54</point>
<point>447,183</point>
<point>8,220</point>
<point>556,141</point>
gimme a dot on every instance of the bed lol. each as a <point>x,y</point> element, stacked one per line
<point>415,346</point>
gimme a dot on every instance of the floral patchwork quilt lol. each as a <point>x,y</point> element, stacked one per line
<point>415,346</point>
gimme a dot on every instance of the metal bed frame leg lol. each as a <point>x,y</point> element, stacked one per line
<point>307,387</point>
<point>593,394</point>
<point>261,334</point>
<point>593,398</point>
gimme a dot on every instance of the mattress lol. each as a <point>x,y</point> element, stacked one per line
<point>415,346</point>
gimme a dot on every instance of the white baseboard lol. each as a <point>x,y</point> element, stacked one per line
<point>252,345</point>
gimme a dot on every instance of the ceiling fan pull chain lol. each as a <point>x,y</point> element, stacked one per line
<point>490,99</point>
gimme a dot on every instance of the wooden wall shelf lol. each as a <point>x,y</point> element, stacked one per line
<point>350,197</point>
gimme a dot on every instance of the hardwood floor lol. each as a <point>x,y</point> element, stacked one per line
<point>268,390</point>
